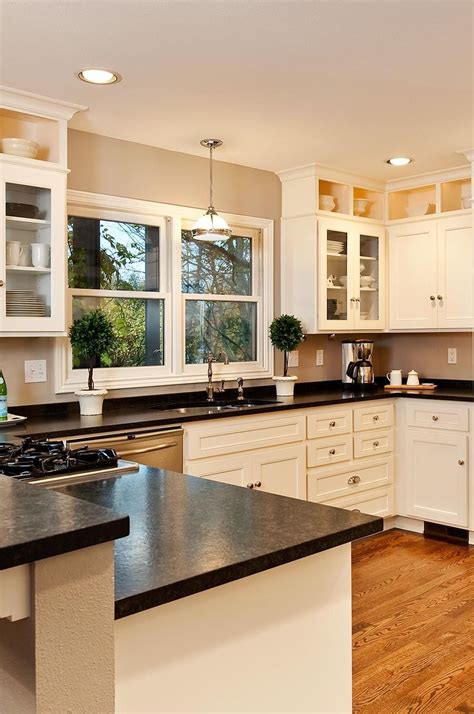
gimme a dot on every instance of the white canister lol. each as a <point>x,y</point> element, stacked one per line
<point>40,255</point>
<point>413,379</point>
<point>14,252</point>
<point>395,377</point>
<point>25,257</point>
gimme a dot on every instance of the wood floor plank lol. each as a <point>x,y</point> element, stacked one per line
<point>413,624</point>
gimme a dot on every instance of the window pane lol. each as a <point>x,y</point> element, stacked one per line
<point>139,325</point>
<point>110,255</point>
<point>216,267</point>
<point>214,326</point>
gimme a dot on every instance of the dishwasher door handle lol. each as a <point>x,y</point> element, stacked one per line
<point>148,449</point>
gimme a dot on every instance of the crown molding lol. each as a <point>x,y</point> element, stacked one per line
<point>468,153</point>
<point>26,102</point>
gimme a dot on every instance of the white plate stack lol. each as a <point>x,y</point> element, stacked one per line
<point>335,246</point>
<point>25,303</point>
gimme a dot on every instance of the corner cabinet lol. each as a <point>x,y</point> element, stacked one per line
<point>431,274</point>
<point>33,251</point>
<point>351,276</point>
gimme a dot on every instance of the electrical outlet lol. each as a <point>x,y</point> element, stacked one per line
<point>35,370</point>
<point>294,359</point>
<point>319,358</point>
<point>452,355</point>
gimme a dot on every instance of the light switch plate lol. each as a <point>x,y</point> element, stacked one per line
<point>452,355</point>
<point>294,359</point>
<point>35,370</point>
<point>319,358</point>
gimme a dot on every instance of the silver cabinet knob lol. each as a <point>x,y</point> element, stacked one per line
<point>353,479</point>
<point>1,283</point>
<point>434,417</point>
<point>432,298</point>
<point>332,452</point>
<point>461,462</point>
<point>257,484</point>
<point>376,443</point>
<point>440,297</point>
<point>375,417</point>
<point>357,510</point>
<point>250,485</point>
<point>332,423</point>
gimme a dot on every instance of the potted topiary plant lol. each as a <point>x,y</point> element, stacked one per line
<point>286,333</point>
<point>91,336</point>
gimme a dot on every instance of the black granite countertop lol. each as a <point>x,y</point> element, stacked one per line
<point>189,534</point>
<point>36,523</point>
<point>49,420</point>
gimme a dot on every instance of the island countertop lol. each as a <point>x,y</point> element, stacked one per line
<point>189,534</point>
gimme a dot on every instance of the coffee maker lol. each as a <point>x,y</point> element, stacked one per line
<point>357,369</point>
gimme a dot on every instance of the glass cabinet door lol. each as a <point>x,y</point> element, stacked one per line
<point>370,301</point>
<point>336,280</point>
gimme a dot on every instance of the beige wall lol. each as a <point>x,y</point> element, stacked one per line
<point>110,166</point>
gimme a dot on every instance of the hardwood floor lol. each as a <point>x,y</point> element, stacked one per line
<point>413,625</point>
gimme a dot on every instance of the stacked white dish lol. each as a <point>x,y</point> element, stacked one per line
<point>25,303</point>
<point>20,147</point>
<point>335,246</point>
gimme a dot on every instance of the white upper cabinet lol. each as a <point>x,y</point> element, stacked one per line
<point>431,274</point>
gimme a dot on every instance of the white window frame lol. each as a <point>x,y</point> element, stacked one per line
<point>170,219</point>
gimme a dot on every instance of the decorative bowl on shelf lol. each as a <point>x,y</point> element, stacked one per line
<point>367,281</point>
<point>21,210</point>
<point>466,201</point>
<point>20,147</point>
<point>343,280</point>
<point>327,203</point>
<point>360,206</point>
<point>418,209</point>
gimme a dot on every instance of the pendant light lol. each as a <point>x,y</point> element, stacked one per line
<point>211,226</point>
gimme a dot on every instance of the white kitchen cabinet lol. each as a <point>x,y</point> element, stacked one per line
<point>434,476</point>
<point>281,471</point>
<point>431,274</point>
<point>235,470</point>
<point>351,275</point>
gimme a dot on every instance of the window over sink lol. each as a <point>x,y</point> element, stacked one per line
<point>171,298</point>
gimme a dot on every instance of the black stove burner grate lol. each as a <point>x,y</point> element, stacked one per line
<point>40,459</point>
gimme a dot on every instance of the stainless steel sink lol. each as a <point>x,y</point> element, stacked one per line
<point>214,407</point>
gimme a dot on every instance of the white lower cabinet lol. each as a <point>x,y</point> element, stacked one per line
<point>378,502</point>
<point>434,482</point>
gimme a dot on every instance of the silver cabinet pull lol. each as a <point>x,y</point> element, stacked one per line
<point>332,452</point>
<point>376,417</point>
<point>250,485</point>
<point>149,449</point>
<point>461,462</point>
<point>1,283</point>
<point>440,297</point>
<point>357,510</point>
<point>353,479</point>
<point>257,484</point>
<point>332,423</point>
<point>434,417</point>
<point>432,298</point>
<point>376,443</point>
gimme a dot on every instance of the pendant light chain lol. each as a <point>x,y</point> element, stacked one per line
<point>211,205</point>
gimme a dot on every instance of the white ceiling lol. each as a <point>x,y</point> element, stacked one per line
<point>283,83</point>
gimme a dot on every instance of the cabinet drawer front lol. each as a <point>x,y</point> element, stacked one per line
<point>438,416</point>
<point>235,470</point>
<point>331,483</point>
<point>330,450</point>
<point>373,443</point>
<point>379,502</point>
<point>325,423</point>
<point>374,416</point>
<point>242,435</point>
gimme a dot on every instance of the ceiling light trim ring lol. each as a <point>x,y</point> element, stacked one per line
<point>115,77</point>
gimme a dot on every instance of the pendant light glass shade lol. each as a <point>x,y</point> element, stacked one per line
<point>211,226</point>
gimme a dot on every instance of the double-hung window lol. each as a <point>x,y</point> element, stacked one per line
<point>171,299</point>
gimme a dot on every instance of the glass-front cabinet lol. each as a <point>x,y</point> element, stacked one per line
<point>32,249</point>
<point>351,276</point>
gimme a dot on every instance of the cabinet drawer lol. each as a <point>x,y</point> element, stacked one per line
<point>325,423</point>
<point>373,443</point>
<point>438,416</point>
<point>349,479</point>
<point>329,450</point>
<point>373,416</point>
<point>379,502</point>
<point>242,435</point>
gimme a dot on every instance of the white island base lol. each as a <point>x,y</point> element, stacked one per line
<point>277,641</point>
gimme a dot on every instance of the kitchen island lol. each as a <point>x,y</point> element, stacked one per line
<point>225,599</point>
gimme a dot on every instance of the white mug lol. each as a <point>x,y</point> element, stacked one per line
<point>25,256</point>
<point>40,255</point>
<point>395,377</point>
<point>412,379</point>
<point>14,252</point>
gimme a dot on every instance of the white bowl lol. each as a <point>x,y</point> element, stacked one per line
<point>343,280</point>
<point>20,147</point>
<point>418,209</point>
<point>327,203</point>
<point>360,206</point>
<point>366,281</point>
<point>466,201</point>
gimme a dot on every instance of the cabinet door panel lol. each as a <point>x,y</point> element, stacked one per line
<point>413,276</point>
<point>370,279</point>
<point>437,476</point>
<point>455,273</point>
<point>281,471</point>
<point>379,502</point>
<point>336,251</point>
<point>235,470</point>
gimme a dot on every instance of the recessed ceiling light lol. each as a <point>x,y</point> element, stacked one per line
<point>99,76</point>
<point>399,161</point>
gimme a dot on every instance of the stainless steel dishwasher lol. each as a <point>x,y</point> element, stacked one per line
<point>158,447</point>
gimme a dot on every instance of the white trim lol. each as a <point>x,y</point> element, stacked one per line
<point>170,219</point>
<point>28,103</point>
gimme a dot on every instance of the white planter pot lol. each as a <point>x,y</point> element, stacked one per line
<point>91,401</point>
<point>285,386</point>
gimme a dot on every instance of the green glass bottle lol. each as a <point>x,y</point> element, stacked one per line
<point>3,398</point>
